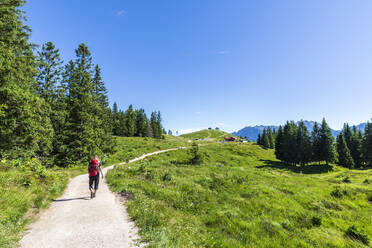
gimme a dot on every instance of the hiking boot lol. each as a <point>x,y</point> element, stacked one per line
<point>94,195</point>
<point>91,195</point>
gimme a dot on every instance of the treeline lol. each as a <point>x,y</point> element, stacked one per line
<point>56,112</point>
<point>295,145</point>
<point>135,123</point>
<point>267,138</point>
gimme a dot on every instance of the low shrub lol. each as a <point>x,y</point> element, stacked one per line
<point>346,180</point>
<point>354,233</point>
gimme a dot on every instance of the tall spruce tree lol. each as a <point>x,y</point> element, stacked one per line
<point>104,125</point>
<point>279,144</point>
<point>142,124</point>
<point>326,146</point>
<point>130,121</point>
<point>26,128</point>
<point>344,157</point>
<point>259,139</point>
<point>50,87</point>
<point>315,143</point>
<point>303,144</point>
<point>367,144</point>
<point>83,129</point>
<point>271,138</point>
<point>289,143</point>
<point>49,66</point>
<point>355,146</point>
<point>155,123</point>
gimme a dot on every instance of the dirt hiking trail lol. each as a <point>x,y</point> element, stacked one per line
<point>75,220</point>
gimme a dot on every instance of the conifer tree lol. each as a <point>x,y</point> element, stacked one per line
<point>279,144</point>
<point>367,144</point>
<point>327,149</point>
<point>355,146</point>
<point>303,144</point>
<point>315,143</point>
<point>26,127</point>
<point>259,139</point>
<point>104,123</point>
<point>271,138</point>
<point>289,143</point>
<point>83,123</point>
<point>344,157</point>
<point>49,72</point>
<point>155,123</point>
<point>161,130</point>
<point>142,125</point>
<point>50,87</point>
<point>115,120</point>
<point>130,121</point>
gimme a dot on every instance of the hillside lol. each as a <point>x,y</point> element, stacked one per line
<point>210,134</point>
<point>241,196</point>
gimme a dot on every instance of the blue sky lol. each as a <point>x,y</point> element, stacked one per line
<point>222,63</point>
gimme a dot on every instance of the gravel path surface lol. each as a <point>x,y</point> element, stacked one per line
<point>75,220</point>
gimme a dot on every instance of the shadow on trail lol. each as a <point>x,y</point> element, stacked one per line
<point>306,169</point>
<point>72,199</point>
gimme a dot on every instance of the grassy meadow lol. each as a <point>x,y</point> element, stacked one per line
<point>130,147</point>
<point>211,135</point>
<point>25,189</point>
<point>241,196</point>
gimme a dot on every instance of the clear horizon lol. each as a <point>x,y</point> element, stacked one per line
<point>229,64</point>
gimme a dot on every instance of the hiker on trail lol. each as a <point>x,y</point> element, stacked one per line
<point>93,169</point>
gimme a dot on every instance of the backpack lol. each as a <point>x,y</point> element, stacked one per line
<point>93,167</point>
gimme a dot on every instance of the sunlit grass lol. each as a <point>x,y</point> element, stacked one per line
<point>241,196</point>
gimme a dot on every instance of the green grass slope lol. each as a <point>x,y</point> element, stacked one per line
<point>131,147</point>
<point>241,196</point>
<point>212,135</point>
<point>24,190</point>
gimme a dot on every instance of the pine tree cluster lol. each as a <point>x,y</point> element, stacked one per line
<point>295,145</point>
<point>267,138</point>
<point>134,123</point>
<point>56,112</point>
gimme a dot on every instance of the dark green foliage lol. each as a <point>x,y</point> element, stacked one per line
<point>134,123</point>
<point>267,138</point>
<point>49,87</point>
<point>49,66</point>
<point>344,157</point>
<point>155,124</point>
<point>367,144</point>
<point>303,144</point>
<point>279,143</point>
<point>353,139</point>
<point>196,156</point>
<point>326,146</point>
<point>142,124</point>
<point>346,180</point>
<point>316,221</point>
<point>88,126</point>
<point>289,146</point>
<point>354,233</point>
<point>315,143</point>
<point>130,121</point>
<point>3,107</point>
<point>26,127</point>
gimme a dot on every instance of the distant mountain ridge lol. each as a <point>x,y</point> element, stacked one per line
<point>251,132</point>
